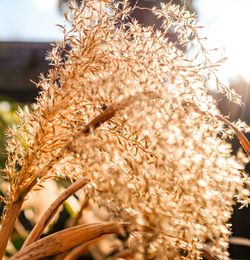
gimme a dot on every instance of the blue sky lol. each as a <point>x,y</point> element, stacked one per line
<point>29,20</point>
<point>227,26</point>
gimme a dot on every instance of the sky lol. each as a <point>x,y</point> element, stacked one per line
<point>29,20</point>
<point>227,24</point>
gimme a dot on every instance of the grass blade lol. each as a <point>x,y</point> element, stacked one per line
<point>67,239</point>
<point>51,211</point>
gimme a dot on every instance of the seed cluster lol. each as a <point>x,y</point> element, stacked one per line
<point>113,108</point>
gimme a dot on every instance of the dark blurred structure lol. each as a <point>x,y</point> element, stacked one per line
<point>146,18</point>
<point>21,62</point>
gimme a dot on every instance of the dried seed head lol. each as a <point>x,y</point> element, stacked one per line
<point>118,116</point>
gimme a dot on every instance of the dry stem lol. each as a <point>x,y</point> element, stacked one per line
<point>242,138</point>
<point>51,211</point>
<point>8,223</point>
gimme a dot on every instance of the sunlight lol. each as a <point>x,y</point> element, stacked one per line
<point>46,4</point>
<point>227,25</point>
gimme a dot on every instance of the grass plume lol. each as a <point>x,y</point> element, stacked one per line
<point>112,109</point>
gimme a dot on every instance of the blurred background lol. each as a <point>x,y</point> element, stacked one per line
<point>27,27</point>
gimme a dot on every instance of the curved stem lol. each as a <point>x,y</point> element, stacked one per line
<point>51,211</point>
<point>242,138</point>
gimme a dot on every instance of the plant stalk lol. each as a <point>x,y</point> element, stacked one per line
<point>8,223</point>
<point>51,211</point>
